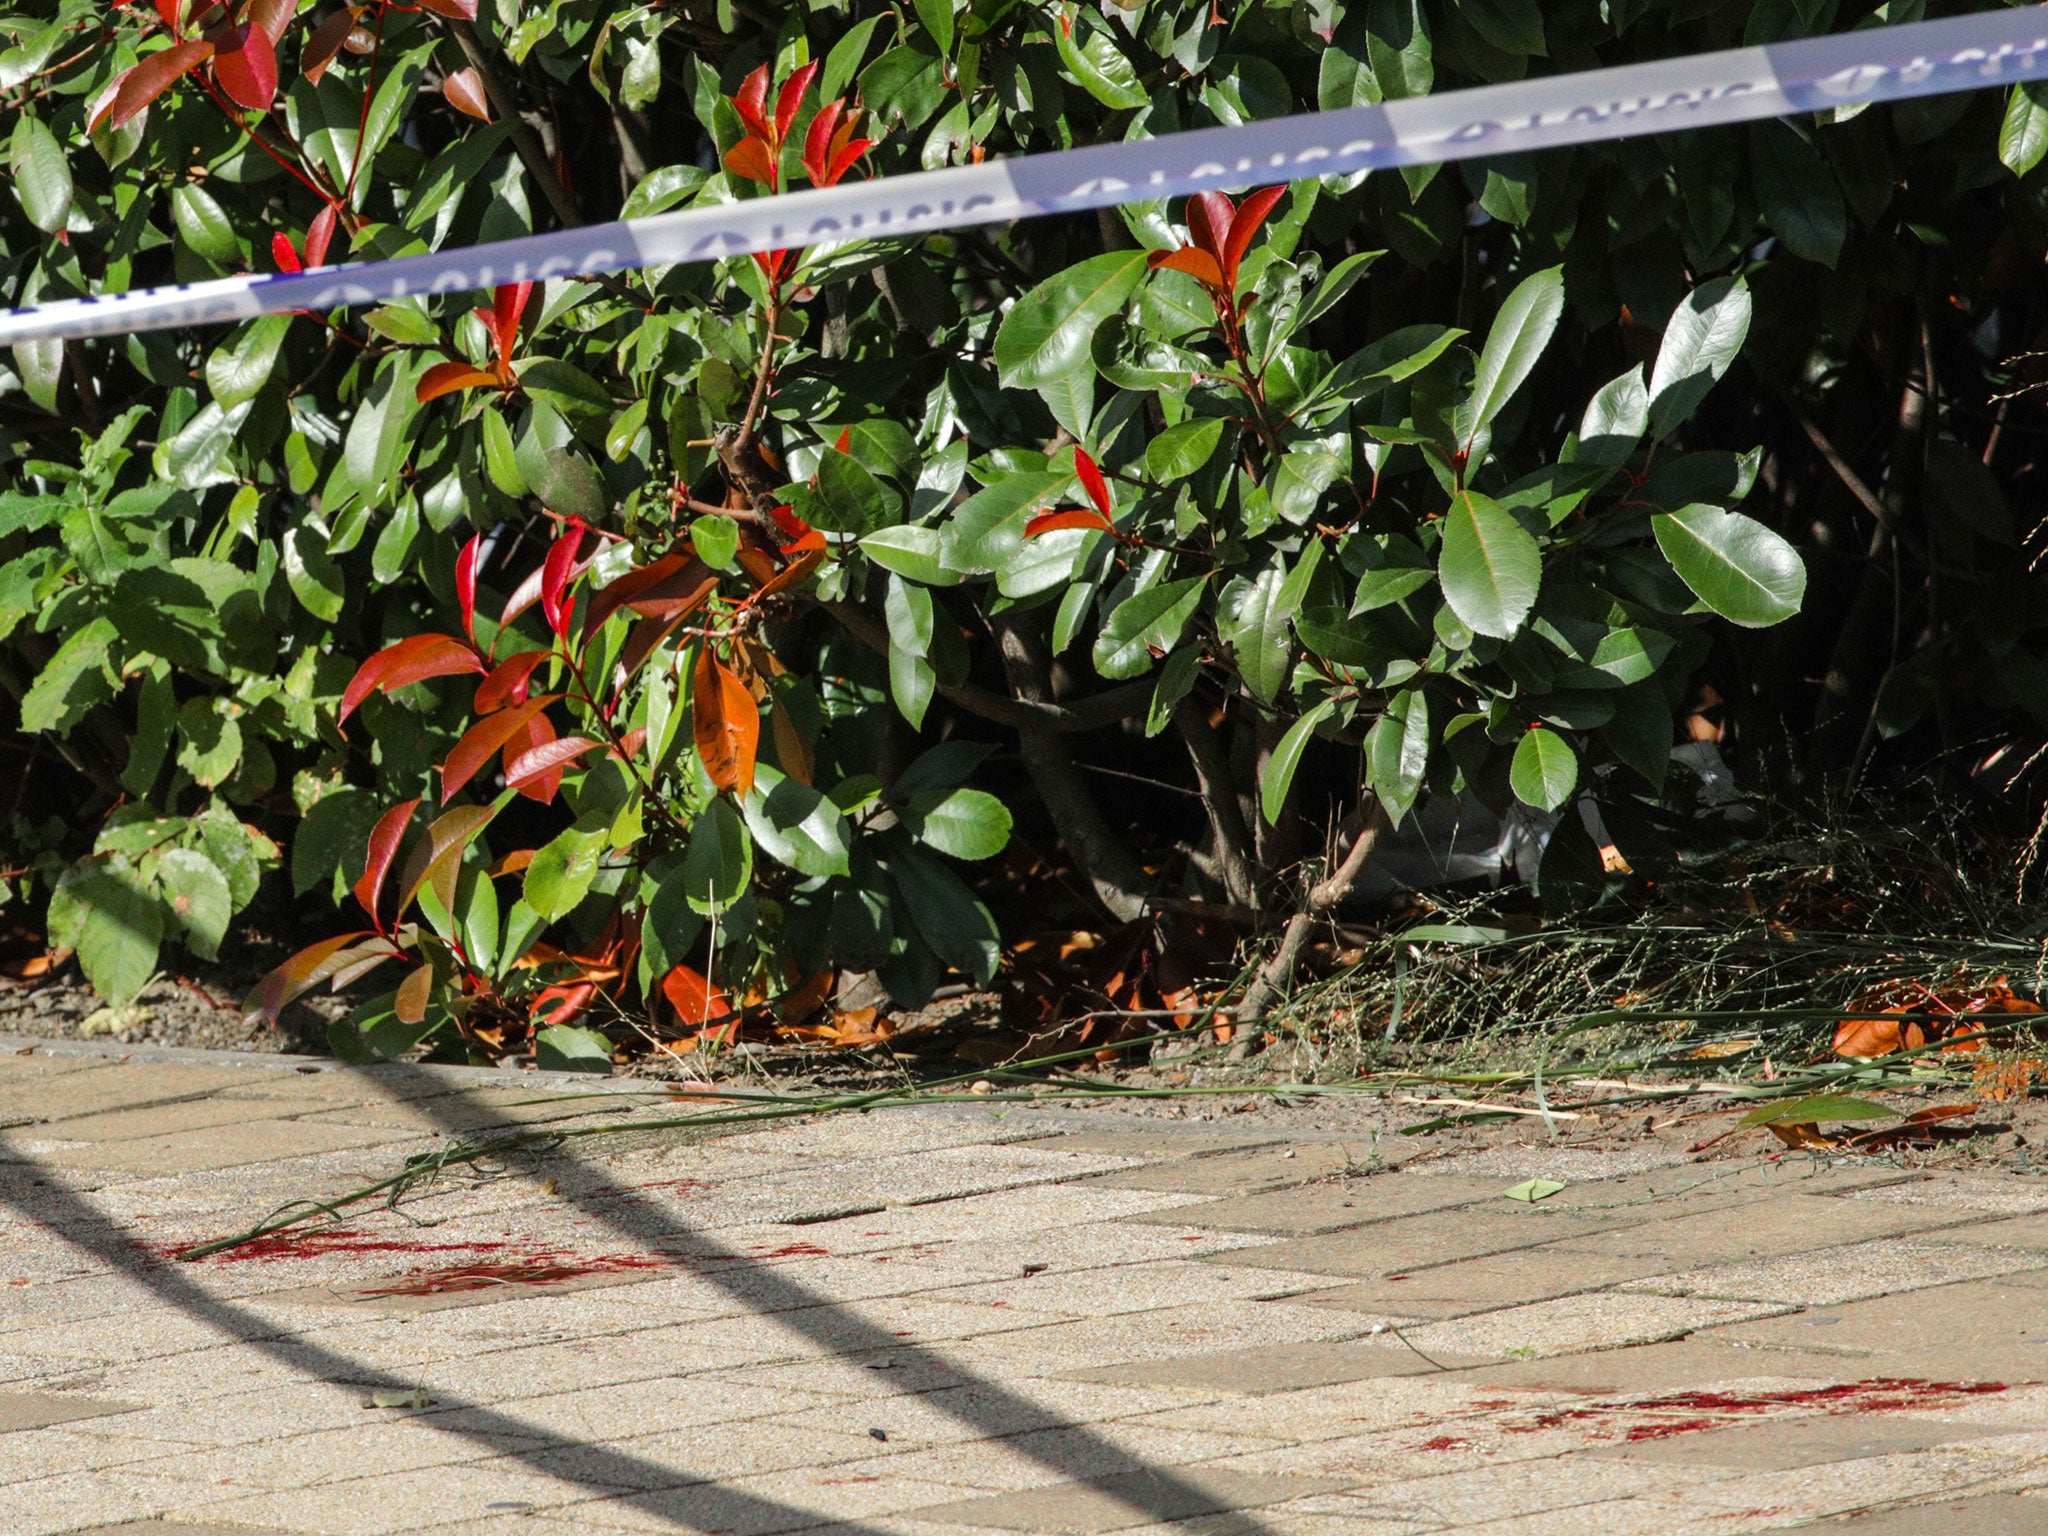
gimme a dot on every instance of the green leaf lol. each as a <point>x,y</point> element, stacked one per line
<point>1490,567</point>
<point>716,541</point>
<point>967,823</point>
<point>1286,758</point>
<point>1091,56</point>
<point>1545,769</point>
<point>209,741</point>
<point>563,870</point>
<point>113,924</point>
<point>796,825</point>
<point>316,581</point>
<point>42,176</point>
<point>566,1048</point>
<point>1734,564</point>
<point>1521,331</point>
<point>1395,356</point>
<point>1701,339</point>
<point>328,844</point>
<point>239,370</point>
<point>1616,418</point>
<point>71,682</point>
<point>1176,680</point>
<point>1797,193</point>
<point>205,228</point>
<point>719,861</point>
<point>1180,451</point>
<point>1397,752</point>
<point>197,895</point>
<point>1815,1109</point>
<point>848,499</point>
<point>945,914</point>
<point>1515,27</point>
<point>2023,137</point>
<point>1046,334</point>
<point>987,530</point>
<point>1532,1190</point>
<point>1149,621</point>
<point>403,324</point>
<point>1252,620</point>
<point>911,551</point>
<point>937,16</point>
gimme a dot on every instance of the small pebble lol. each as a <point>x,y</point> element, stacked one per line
<point>879,1434</point>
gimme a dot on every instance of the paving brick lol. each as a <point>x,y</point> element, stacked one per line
<point>48,1097</point>
<point>1481,1285</point>
<point>1407,1243</point>
<point>1779,1445</point>
<point>1783,1224</point>
<point>1334,1206</point>
<point>34,1410</point>
<point>1987,1330</point>
<point>258,1141</point>
<point>1570,1325</point>
<point>1248,1172</point>
<point>1991,1514</point>
<point>1121,1502</point>
<point>1268,1368</point>
<point>1849,1273</point>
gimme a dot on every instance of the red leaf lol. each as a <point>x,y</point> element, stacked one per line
<point>411,660</point>
<point>308,968</point>
<point>818,142</point>
<point>273,16</point>
<point>1865,1038</point>
<point>508,681</point>
<point>439,857</point>
<point>150,79</point>
<point>465,584</point>
<point>454,10</point>
<point>556,573</point>
<point>791,99</point>
<point>246,67</point>
<point>549,757</point>
<point>752,102</point>
<point>807,553</point>
<point>1077,517</point>
<point>1251,213</point>
<point>653,582</point>
<point>538,733</point>
<point>318,234</point>
<point>383,848</point>
<point>695,999</point>
<point>753,159</point>
<point>483,739</point>
<point>282,252</point>
<point>1199,265</point>
<point>410,1005</point>
<point>508,305</point>
<point>1092,481</point>
<point>326,42</point>
<point>465,93</point>
<point>1209,217</point>
<point>787,520</point>
<point>447,378</point>
<point>167,13</point>
<point>726,723</point>
<point>845,442</point>
<point>843,161</point>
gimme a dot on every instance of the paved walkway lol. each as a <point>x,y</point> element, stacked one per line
<point>972,1322</point>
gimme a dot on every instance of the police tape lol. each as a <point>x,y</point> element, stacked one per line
<point>1848,69</point>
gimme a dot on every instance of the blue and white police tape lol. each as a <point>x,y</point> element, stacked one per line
<point>1873,64</point>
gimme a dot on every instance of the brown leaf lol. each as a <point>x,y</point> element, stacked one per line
<point>465,93</point>
<point>726,723</point>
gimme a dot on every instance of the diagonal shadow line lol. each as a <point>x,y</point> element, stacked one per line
<point>601,1469</point>
<point>987,1407</point>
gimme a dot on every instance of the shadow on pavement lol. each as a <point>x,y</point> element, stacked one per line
<point>989,1408</point>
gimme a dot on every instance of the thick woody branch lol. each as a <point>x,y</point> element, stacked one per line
<point>1111,870</point>
<point>524,142</point>
<point>1234,857</point>
<point>1324,897</point>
